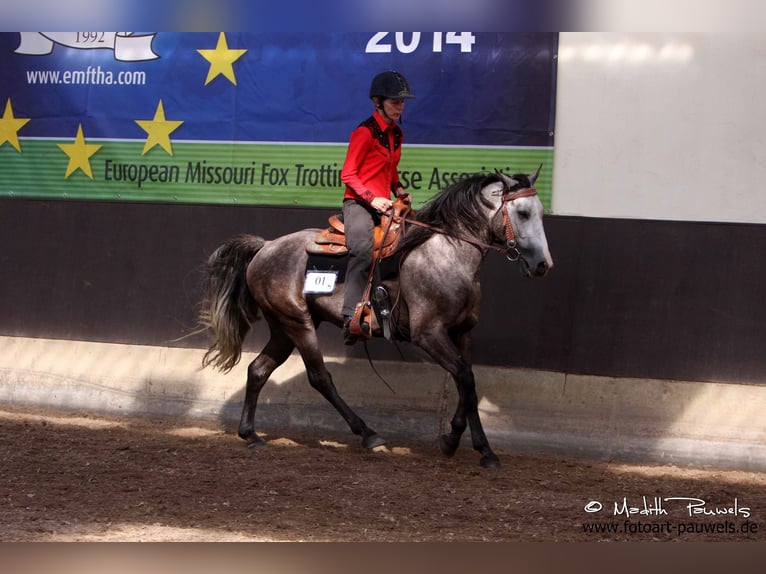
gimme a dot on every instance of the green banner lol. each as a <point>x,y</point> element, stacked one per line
<point>244,173</point>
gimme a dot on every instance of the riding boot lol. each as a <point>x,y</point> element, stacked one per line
<point>348,337</point>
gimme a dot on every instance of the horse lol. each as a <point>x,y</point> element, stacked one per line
<point>437,293</point>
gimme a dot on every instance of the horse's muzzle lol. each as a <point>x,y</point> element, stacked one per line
<point>542,268</point>
<point>539,270</point>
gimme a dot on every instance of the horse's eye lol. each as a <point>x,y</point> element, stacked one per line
<point>523,214</point>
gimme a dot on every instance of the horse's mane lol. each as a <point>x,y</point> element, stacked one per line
<point>455,208</point>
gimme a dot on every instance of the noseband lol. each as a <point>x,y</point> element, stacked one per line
<point>513,253</point>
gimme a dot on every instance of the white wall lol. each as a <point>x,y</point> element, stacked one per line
<point>661,126</point>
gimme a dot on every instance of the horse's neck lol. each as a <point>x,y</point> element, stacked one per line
<point>454,253</point>
<point>489,228</point>
<point>476,240</point>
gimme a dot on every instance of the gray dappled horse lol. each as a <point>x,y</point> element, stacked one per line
<point>437,293</point>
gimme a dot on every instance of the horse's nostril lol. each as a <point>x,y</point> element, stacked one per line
<point>542,268</point>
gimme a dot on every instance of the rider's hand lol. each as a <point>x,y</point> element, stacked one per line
<point>382,204</point>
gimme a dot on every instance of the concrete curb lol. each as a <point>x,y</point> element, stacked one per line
<point>677,422</point>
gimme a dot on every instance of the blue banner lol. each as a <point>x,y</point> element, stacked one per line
<point>122,100</point>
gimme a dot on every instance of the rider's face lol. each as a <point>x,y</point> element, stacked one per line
<point>392,108</point>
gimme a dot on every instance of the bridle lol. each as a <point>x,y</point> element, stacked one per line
<point>512,253</point>
<point>511,250</point>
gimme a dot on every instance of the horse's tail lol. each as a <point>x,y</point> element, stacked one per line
<point>228,307</point>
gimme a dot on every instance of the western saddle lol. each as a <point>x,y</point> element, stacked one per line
<point>332,241</point>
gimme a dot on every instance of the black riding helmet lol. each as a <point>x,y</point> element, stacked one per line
<point>390,84</point>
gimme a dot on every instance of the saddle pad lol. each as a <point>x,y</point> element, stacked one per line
<point>389,268</point>
<point>334,263</point>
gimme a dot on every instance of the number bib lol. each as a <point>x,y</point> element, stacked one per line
<point>320,281</point>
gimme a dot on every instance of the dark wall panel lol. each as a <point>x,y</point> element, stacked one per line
<point>637,298</point>
<point>628,298</point>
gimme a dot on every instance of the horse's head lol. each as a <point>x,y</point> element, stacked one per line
<point>523,224</point>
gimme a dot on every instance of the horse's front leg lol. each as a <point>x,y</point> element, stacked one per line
<point>455,358</point>
<point>467,414</point>
<point>275,353</point>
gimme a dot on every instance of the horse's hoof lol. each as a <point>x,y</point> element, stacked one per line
<point>256,444</point>
<point>489,461</point>
<point>372,441</point>
<point>446,446</point>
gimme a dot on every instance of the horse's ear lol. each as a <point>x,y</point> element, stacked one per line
<point>508,180</point>
<point>533,176</point>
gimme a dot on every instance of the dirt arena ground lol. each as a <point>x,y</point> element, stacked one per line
<point>78,477</point>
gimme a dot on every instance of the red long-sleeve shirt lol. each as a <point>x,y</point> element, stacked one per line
<point>371,166</point>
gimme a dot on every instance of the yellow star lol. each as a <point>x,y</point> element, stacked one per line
<point>221,60</point>
<point>159,130</point>
<point>9,127</point>
<point>79,154</point>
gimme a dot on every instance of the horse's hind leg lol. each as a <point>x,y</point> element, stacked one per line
<point>275,353</point>
<point>321,380</point>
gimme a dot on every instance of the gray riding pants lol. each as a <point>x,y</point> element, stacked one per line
<point>359,222</point>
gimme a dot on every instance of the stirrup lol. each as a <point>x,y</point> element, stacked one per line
<point>381,302</point>
<point>359,325</point>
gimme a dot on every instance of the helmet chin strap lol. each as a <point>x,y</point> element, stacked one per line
<point>383,113</point>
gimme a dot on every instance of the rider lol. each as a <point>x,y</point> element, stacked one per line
<point>371,176</point>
